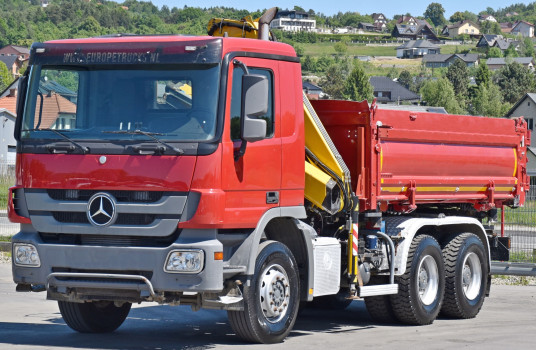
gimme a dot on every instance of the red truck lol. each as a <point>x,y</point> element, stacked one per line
<point>190,170</point>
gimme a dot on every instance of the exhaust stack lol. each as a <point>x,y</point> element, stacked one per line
<point>264,23</point>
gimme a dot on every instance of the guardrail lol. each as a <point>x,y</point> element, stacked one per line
<point>514,269</point>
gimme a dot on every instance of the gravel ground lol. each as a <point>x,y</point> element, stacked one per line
<point>513,280</point>
<point>497,280</point>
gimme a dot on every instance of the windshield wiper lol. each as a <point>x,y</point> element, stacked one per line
<point>151,135</point>
<point>54,149</point>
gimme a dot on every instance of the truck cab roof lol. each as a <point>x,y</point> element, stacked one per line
<point>208,49</point>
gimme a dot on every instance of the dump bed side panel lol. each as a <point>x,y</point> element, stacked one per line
<point>401,159</point>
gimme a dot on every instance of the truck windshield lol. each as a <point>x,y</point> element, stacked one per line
<point>176,102</point>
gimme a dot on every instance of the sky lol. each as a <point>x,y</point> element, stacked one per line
<point>388,7</point>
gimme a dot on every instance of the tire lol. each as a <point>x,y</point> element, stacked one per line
<point>422,286</point>
<point>94,317</point>
<point>466,277</point>
<point>379,307</point>
<point>276,272</point>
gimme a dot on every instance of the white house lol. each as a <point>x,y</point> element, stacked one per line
<point>8,144</point>
<point>523,28</point>
<point>417,48</point>
<point>293,21</point>
<point>526,108</point>
<point>486,17</point>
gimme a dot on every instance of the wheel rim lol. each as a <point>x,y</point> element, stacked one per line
<point>274,293</point>
<point>428,280</point>
<point>471,276</point>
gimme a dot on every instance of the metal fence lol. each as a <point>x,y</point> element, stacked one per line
<point>520,226</point>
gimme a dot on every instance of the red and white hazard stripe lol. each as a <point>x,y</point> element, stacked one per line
<point>355,239</point>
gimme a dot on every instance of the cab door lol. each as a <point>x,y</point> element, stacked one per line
<point>251,183</point>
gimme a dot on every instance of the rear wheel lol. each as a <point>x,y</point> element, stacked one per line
<point>421,288</point>
<point>271,302</point>
<point>379,307</point>
<point>466,276</point>
<point>94,317</point>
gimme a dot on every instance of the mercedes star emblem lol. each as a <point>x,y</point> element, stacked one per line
<point>101,209</point>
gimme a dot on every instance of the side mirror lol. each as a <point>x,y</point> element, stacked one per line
<point>254,104</point>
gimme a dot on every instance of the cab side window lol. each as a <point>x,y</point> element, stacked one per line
<point>236,102</point>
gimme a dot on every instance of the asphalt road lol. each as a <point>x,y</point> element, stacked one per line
<point>28,321</point>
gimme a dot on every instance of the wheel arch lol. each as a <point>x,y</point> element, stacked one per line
<point>441,229</point>
<point>282,225</point>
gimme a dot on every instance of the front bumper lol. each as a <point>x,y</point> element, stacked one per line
<point>101,270</point>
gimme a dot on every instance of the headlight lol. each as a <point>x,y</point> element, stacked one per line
<point>185,261</point>
<point>26,255</point>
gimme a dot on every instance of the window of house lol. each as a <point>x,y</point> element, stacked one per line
<point>530,123</point>
<point>236,102</point>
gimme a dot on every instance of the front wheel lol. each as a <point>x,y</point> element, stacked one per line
<point>94,317</point>
<point>271,302</point>
<point>421,287</point>
<point>466,276</point>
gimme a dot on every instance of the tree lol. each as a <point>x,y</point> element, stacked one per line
<point>488,101</point>
<point>323,62</point>
<point>406,79</point>
<point>440,93</point>
<point>340,47</point>
<point>483,75</point>
<point>514,80</point>
<point>458,75</point>
<point>462,16</point>
<point>488,27</point>
<point>357,87</point>
<point>309,64</point>
<point>511,51</point>
<point>336,74</point>
<point>528,47</point>
<point>331,83</point>
<point>457,17</point>
<point>494,52</point>
<point>435,12</point>
<point>5,77</point>
<point>393,73</point>
<point>299,50</point>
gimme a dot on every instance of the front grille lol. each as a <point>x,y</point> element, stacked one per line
<point>122,219</point>
<point>142,213</point>
<point>120,196</point>
<point>70,217</point>
<point>109,240</point>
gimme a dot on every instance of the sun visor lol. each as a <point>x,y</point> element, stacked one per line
<point>111,51</point>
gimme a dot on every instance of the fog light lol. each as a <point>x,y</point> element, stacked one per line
<point>26,255</point>
<point>184,261</point>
